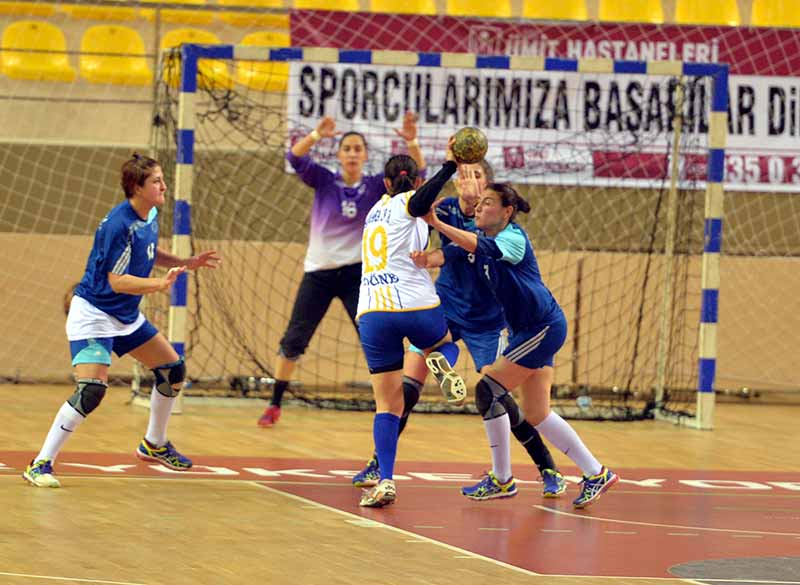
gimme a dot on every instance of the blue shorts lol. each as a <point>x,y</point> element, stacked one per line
<point>382,334</point>
<point>98,350</point>
<point>536,347</point>
<point>484,346</point>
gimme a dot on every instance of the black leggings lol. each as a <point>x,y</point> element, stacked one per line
<point>317,290</point>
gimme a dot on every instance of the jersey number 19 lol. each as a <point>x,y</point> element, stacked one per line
<point>375,249</point>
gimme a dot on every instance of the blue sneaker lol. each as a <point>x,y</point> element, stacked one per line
<point>554,484</point>
<point>369,476</point>
<point>40,474</point>
<point>489,488</point>
<point>594,486</point>
<point>167,455</point>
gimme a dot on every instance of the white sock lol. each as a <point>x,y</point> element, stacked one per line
<point>66,421</point>
<point>559,432</point>
<point>160,409</point>
<point>498,431</point>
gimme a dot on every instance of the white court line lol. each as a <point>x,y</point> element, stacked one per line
<point>657,525</point>
<point>74,579</point>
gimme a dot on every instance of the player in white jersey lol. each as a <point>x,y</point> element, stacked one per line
<point>396,301</point>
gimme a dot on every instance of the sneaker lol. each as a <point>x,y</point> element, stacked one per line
<point>554,484</point>
<point>40,474</point>
<point>369,476</point>
<point>594,486</point>
<point>381,495</point>
<point>271,416</point>
<point>452,386</point>
<point>490,488</point>
<point>167,455</point>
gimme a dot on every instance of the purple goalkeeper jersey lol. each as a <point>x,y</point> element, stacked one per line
<point>337,214</point>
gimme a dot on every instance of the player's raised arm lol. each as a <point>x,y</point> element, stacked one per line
<point>409,133</point>
<point>422,199</point>
<point>326,128</point>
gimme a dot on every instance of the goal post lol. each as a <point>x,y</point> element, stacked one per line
<point>654,392</point>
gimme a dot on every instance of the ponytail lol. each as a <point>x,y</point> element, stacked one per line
<point>402,172</point>
<point>510,198</point>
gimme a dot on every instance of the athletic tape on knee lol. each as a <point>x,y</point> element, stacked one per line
<point>169,375</point>
<point>411,391</point>
<point>88,395</point>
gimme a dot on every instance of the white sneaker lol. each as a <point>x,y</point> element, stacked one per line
<point>40,474</point>
<point>452,386</point>
<point>381,495</point>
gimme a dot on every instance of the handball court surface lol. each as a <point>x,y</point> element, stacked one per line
<point>276,505</point>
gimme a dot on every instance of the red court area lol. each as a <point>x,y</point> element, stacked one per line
<point>650,521</point>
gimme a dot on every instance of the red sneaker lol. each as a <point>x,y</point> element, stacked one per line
<point>270,416</point>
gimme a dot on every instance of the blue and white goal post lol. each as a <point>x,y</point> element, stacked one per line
<point>716,110</point>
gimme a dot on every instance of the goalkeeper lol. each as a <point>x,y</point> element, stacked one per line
<point>332,267</point>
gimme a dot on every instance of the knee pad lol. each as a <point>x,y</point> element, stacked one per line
<point>411,392</point>
<point>88,395</point>
<point>493,400</point>
<point>169,375</point>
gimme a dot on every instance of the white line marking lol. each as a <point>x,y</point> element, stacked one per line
<point>490,529</point>
<point>423,526</point>
<point>554,530</point>
<point>655,524</point>
<point>682,534</point>
<point>621,532</point>
<point>418,541</point>
<point>746,536</point>
<point>405,532</point>
<point>52,578</point>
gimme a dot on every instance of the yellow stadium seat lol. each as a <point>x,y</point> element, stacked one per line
<point>725,12</point>
<point>213,72</point>
<point>28,8</point>
<point>30,34</point>
<point>264,75</point>
<point>497,9</point>
<point>404,6</point>
<point>342,5</point>
<point>560,10</point>
<point>122,40</point>
<point>776,13</point>
<point>628,11</point>
<point>249,19</point>
<point>180,16</point>
<point>88,12</point>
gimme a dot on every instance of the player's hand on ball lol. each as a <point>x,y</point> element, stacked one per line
<point>327,127</point>
<point>448,155</point>
<point>470,145</point>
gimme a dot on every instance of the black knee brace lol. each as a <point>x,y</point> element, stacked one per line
<point>493,400</point>
<point>88,395</point>
<point>168,376</point>
<point>411,392</point>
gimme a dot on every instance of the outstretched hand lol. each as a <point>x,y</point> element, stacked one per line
<point>409,130</point>
<point>326,127</point>
<point>207,259</point>
<point>172,276</point>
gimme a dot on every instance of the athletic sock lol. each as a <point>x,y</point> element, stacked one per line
<point>384,431</point>
<point>558,431</point>
<point>277,392</point>
<point>529,438</point>
<point>66,421</point>
<point>450,351</point>
<point>498,431</point>
<point>160,411</point>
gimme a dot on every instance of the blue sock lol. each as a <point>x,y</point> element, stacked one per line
<point>385,431</point>
<point>450,352</point>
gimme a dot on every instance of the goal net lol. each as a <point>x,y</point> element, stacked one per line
<point>614,158</point>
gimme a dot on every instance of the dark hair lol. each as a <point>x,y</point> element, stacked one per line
<point>510,198</point>
<point>135,172</point>
<point>402,172</point>
<point>353,133</point>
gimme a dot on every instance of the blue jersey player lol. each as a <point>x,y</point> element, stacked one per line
<point>104,316</point>
<point>480,323</point>
<point>538,328</point>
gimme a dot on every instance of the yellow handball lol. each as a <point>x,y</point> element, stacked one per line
<point>470,145</point>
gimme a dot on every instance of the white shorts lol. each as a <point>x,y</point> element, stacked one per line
<point>85,321</point>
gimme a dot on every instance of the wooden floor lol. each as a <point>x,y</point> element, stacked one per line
<point>155,531</point>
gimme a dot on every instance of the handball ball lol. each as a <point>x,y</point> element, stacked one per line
<point>470,145</point>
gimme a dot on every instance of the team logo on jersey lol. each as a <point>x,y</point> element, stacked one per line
<point>471,258</point>
<point>151,251</point>
<point>349,209</point>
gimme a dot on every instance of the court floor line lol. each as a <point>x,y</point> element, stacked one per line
<point>463,553</point>
<point>73,579</point>
<point>658,525</point>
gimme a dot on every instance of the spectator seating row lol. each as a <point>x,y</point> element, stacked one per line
<point>776,13</point>
<point>115,54</point>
